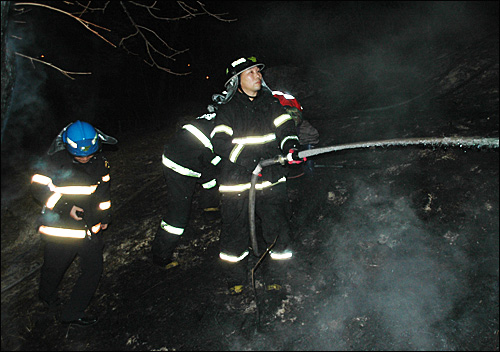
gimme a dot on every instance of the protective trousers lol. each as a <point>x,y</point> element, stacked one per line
<point>57,258</point>
<point>180,190</point>
<point>271,207</point>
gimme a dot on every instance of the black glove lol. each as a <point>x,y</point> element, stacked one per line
<point>293,156</point>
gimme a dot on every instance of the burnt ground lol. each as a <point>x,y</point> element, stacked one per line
<point>396,248</point>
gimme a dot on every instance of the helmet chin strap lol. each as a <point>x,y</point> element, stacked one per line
<point>265,86</point>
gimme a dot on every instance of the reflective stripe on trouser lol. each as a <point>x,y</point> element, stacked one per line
<point>178,200</point>
<point>271,207</point>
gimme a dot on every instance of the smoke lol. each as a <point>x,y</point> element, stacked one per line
<point>387,289</point>
<point>26,123</point>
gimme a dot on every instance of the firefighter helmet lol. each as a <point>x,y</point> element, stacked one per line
<point>81,139</point>
<point>240,65</point>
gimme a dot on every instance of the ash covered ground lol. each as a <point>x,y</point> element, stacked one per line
<point>397,248</point>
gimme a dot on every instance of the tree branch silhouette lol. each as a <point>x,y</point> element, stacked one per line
<point>64,72</point>
<point>143,35</point>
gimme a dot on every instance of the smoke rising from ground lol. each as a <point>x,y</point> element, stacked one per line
<point>382,279</point>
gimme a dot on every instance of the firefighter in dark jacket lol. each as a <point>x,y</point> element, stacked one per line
<point>73,184</point>
<point>252,125</point>
<point>188,159</point>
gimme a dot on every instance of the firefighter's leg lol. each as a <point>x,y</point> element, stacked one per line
<point>234,241</point>
<point>272,208</point>
<point>91,265</point>
<point>210,201</point>
<point>178,205</point>
<point>56,260</point>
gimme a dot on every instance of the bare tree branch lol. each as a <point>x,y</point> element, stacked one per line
<point>64,72</point>
<point>143,33</point>
<point>148,46</point>
<point>84,23</point>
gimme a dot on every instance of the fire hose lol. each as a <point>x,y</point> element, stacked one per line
<point>280,159</point>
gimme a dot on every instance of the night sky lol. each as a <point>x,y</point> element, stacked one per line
<point>355,42</point>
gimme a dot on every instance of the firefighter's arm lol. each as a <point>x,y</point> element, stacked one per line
<point>286,134</point>
<point>44,191</point>
<point>103,194</point>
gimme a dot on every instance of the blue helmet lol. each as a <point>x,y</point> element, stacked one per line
<point>81,139</point>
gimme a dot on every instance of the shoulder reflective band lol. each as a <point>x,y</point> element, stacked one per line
<point>246,186</point>
<point>171,229</point>
<point>201,137</point>
<point>44,180</point>
<point>286,139</point>
<point>105,205</point>
<point>216,160</point>
<point>232,258</point>
<point>210,184</point>
<point>281,119</point>
<point>61,232</point>
<point>178,168</point>
<point>221,128</point>
<point>281,256</point>
<point>106,178</point>
<point>41,179</point>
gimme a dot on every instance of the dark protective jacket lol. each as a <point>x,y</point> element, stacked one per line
<point>190,152</point>
<point>60,182</point>
<point>246,132</point>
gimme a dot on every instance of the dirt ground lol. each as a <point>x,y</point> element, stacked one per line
<point>396,249</point>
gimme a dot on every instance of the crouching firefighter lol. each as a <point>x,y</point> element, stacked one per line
<point>252,125</point>
<point>73,184</point>
<point>188,160</point>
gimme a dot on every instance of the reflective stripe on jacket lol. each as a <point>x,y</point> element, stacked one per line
<point>60,182</point>
<point>190,152</point>
<point>247,131</point>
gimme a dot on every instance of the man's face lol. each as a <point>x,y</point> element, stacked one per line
<point>83,159</point>
<point>251,81</point>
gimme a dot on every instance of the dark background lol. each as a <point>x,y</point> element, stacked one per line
<point>346,49</point>
<point>397,248</point>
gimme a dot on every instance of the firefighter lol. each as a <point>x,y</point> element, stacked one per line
<point>73,184</point>
<point>308,135</point>
<point>252,125</point>
<point>188,159</point>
